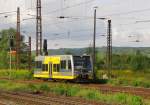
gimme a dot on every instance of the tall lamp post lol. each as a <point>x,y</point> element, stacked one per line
<point>94,42</point>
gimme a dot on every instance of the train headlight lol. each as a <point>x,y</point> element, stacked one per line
<point>89,71</point>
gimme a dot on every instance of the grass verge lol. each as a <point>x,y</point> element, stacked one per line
<point>73,90</point>
<point>119,77</point>
<point>128,78</point>
<point>16,74</point>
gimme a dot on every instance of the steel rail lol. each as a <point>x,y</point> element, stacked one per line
<point>44,100</point>
<point>144,92</point>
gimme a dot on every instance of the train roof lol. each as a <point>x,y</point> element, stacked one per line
<point>41,57</point>
<point>59,55</point>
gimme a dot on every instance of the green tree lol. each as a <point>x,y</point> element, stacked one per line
<point>4,49</point>
<point>139,61</point>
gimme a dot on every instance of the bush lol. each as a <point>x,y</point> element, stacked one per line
<point>136,82</point>
<point>127,99</point>
<point>44,87</point>
<point>32,88</point>
<point>59,90</point>
<point>129,78</point>
<point>16,74</point>
<point>72,91</point>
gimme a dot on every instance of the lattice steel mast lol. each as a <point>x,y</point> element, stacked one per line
<point>18,39</point>
<point>38,29</point>
<point>109,49</point>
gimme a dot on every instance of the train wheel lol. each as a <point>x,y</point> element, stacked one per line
<point>45,79</point>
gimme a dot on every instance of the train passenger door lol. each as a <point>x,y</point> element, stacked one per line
<point>50,69</point>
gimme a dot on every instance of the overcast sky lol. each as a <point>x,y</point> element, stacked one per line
<point>77,30</point>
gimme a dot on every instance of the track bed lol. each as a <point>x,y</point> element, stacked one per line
<point>13,98</point>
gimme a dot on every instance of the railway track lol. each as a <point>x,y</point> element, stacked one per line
<point>144,92</point>
<point>2,103</point>
<point>36,99</point>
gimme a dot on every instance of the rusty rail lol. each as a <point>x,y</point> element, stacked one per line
<point>144,92</point>
<point>44,100</point>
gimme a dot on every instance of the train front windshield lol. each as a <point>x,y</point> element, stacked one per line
<point>82,62</point>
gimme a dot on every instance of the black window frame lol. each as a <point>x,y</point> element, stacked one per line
<point>38,64</point>
<point>56,67</point>
<point>69,65</point>
<point>63,64</point>
<point>44,67</point>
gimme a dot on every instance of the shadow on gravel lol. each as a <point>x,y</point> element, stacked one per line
<point>96,81</point>
<point>100,81</point>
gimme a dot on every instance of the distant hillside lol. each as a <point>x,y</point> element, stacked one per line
<point>116,50</point>
<point>129,50</point>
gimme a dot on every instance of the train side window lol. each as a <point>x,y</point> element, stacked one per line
<point>38,64</point>
<point>56,67</point>
<point>45,67</point>
<point>63,64</point>
<point>69,64</point>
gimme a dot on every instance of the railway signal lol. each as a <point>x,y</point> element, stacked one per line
<point>11,52</point>
<point>29,54</point>
<point>45,47</point>
<point>11,40</point>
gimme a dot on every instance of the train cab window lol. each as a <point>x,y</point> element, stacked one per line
<point>56,67</point>
<point>65,65</point>
<point>82,62</point>
<point>45,67</point>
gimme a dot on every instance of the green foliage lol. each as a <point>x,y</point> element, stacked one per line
<point>128,78</point>
<point>119,98</point>
<point>74,90</point>
<point>32,88</point>
<point>65,90</point>
<point>136,62</point>
<point>125,98</point>
<point>5,48</point>
<point>44,87</point>
<point>89,50</point>
<point>68,52</point>
<point>16,74</point>
<point>59,90</point>
<point>9,86</point>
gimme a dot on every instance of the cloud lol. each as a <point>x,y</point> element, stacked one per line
<point>56,30</point>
